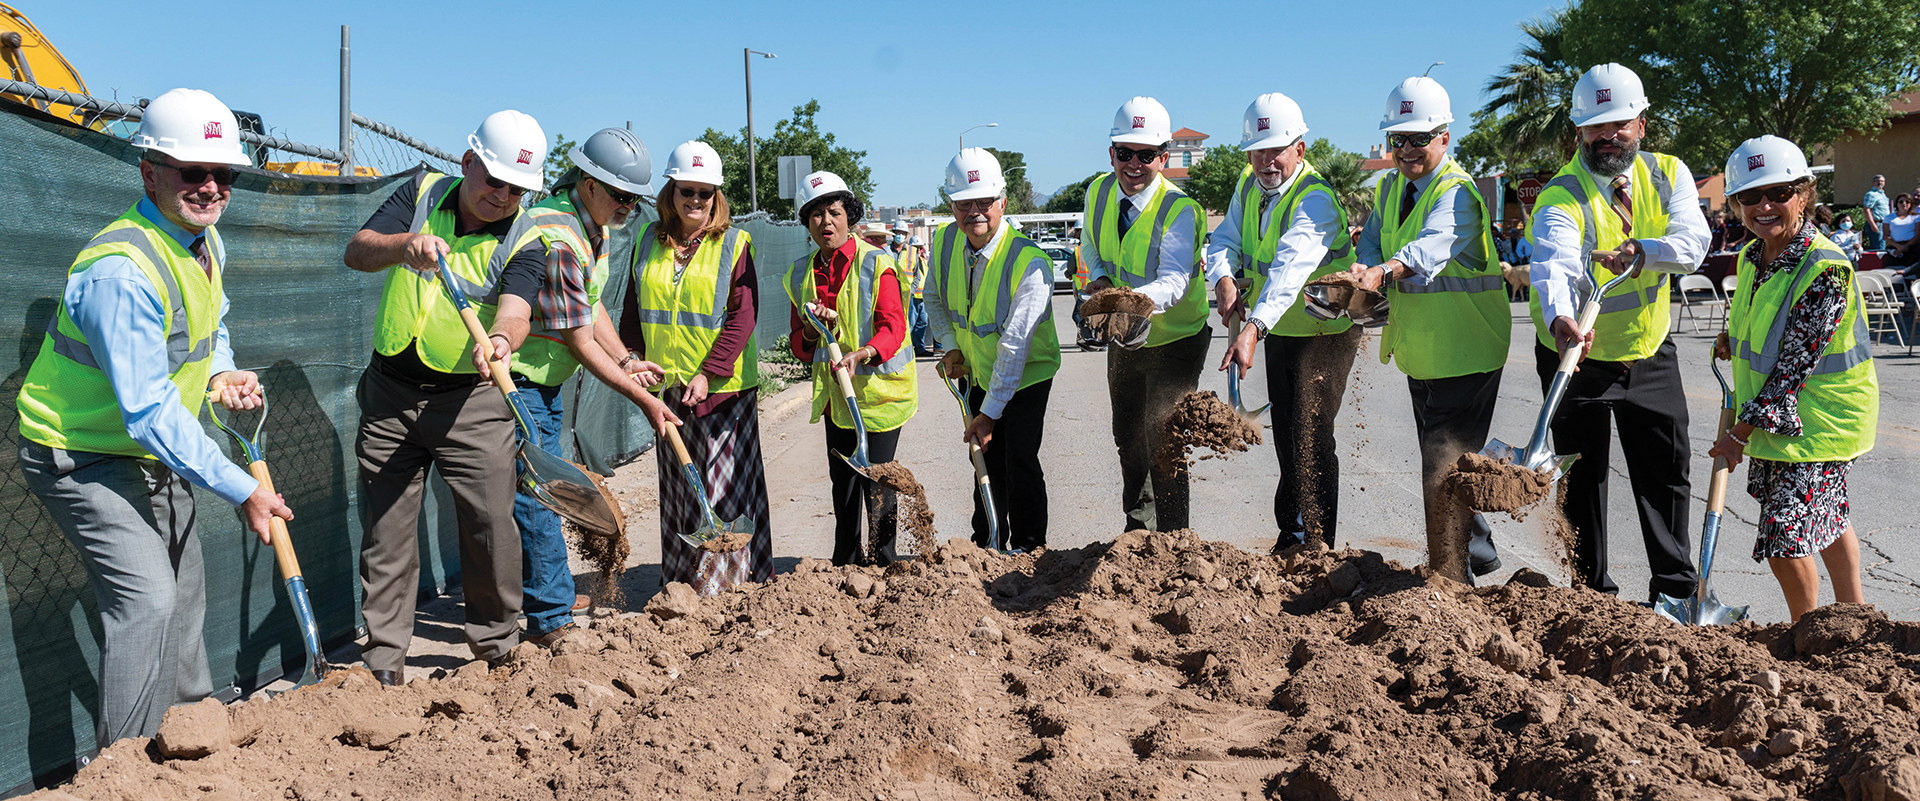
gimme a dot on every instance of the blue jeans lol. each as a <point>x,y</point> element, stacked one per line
<point>547,580</point>
<point>917,319</point>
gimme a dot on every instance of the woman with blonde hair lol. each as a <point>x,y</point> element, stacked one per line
<point>690,307</point>
<point>1806,394</point>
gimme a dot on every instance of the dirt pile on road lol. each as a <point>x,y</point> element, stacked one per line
<point>1157,666</point>
<point>914,510</point>
<point>1202,420</point>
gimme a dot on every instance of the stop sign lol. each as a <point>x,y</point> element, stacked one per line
<point>1529,191</point>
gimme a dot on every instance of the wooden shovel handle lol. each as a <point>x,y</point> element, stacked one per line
<point>1717,488</point>
<point>502,373</point>
<point>679,447</point>
<point>842,377</point>
<point>277,528</point>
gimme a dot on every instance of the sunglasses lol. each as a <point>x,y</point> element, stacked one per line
<point>1777,194</point>
<point>689,193</point>
<point>618,197</point>
<point>1400,140</point>
<point>973,206</point>
<point>496,183</point>
<point>195,176</point>
<point>1126,154</point>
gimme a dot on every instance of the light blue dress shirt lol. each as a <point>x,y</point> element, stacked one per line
<point>116,307</point>
<point>1449,228</point>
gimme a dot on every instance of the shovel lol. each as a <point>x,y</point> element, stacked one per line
<point>1703,608</point>
<point>859,461</point>
<point>282,544</point>
<point>555,483</point>
<point>1537,456</point>
<point>710,526</point>
<point>960,390</point>
<point>1233,378</point>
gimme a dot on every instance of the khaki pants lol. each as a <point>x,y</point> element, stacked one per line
<point>469,435</point>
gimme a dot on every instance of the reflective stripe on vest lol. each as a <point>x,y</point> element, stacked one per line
<point>886,392</point>
<point>1626,300</point>
<point>979,339</point>
<point>1187,315</point>
<point>181,348</point>
<point>680,319</point>
<point>1769,354</point>
<point>1257,254</point>
<point>800,278</point>
<point>415,311</point>
<point>1458,323</point>
<point>1839,403</point>
<point>717,316</point>
<point>487,289</point>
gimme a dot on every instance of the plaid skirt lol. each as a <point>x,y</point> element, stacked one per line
<point>1803,506</point>
<point>725,447</point>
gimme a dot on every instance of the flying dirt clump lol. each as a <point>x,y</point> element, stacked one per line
<point>918,515</point>
<point>1487,484</point>
<point>1113,312</point>
<point>607,551</point>
<point>1201,420</point>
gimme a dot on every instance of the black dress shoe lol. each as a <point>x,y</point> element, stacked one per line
<point>1482,557</point>
<point>387,678</point>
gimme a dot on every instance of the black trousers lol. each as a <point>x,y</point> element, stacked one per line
<point>1143,386</point>
<point>1013,469</point>
<point>853,495</point>
<point>1306,381</point>
<point>1648,402</point>
<point>1451,416</point>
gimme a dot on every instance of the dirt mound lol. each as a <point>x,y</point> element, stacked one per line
<point>1113,312</point>
<point>918,515</point>
<point>1202,420</point>
<point>1498,485</point>
<point>1157,666</point>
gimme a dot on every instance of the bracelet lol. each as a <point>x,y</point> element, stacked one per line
<point>1736,438</point>
<point>631,358</point>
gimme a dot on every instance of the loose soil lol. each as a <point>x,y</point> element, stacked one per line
<point>1113,312</point>
<point>1486,484</point>
<point>607,551</point>
<point>728,542</point>
<point>1154,667</point>
<point>917,515</point>
<point>1202,420</point>
<point>1349,294</point>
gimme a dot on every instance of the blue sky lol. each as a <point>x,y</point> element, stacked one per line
<point>898,80</point>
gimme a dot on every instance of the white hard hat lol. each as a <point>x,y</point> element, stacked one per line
<point>1142,121</point>
<point>1765,161</point>
<point>513,148</point>
<point>191,125</point>
<point>917,242</point>
<point>616,157</point>
<point>974,174</point>
<point>1417,105</point>
<point>1608,93</point>
<point>1272,120</point>
<point>694,161</point>
<point>817,185</point>
<point>901,226</point>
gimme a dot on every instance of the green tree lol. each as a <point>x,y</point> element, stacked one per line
<point>799,135</point>
<point>1526,122</point>
<point>1342,170</point>
<point>1073,198</point>
<point>1803,70</point>
<point>556,163</point>
<point>1210,182</point>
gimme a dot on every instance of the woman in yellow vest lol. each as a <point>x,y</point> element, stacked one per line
<point>856,290</point>
<point>1807,396</point>
<point>691,306</point>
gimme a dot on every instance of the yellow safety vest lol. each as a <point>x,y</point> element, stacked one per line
<point>545,358</point>
<point>888,393</point>
<point>1258,246</point>
<point>1633,317</point>
<point>415,307</point>
<point>1134,260</point>
<point>1458,323</point>
<point>1840,403</point>
<point>977,319</point>
<point>683,310</point>
<point>909,263</point>
<point>66,400</point>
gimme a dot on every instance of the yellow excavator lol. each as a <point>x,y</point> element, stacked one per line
<point>31,58</point>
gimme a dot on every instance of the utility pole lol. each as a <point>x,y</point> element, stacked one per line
<point>346,106</point>
<point>753,170</point>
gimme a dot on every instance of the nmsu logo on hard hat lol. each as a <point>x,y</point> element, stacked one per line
<point>526,157</point>
<point>1603,96</point>
<point>1139,122</point>
<point>1263,123</point>
<point>1406,107</point>
<point>1756,161</point>
<point>212,131</point>
<point>697,162</point>
<point>815,183</point>
<point>973,176</point>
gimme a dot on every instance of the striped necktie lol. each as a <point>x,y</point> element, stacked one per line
<point>1623,202</point>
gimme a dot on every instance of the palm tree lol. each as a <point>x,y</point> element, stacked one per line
<point>1343,172</point>
<point>1533,96</point>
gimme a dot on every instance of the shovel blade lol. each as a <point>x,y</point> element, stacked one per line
<point>309,629</point>
<point>564,488</point>
<point>1501,451</point>
<point>1233,394</point>
<point>858,461</point>
<point>1699,610</point>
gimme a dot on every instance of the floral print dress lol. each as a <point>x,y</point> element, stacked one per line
<point>1803,505</point>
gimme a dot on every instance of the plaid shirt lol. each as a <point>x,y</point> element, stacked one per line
<point>563,302</point>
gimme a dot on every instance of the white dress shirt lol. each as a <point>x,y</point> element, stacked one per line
<point>1451,226</point>
<point>1169,283</point>
<point>1031,301</point>
<point>1559,268</point>
<point>1311,231</point>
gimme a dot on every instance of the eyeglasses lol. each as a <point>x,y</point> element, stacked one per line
<point>618,197</point>
<point>195,176</point>
<point>496,183</point>
<point>973,206</point>
<point>689,193</point>
<point>1126,154</point>
<point>1400,140</point>
<point>1777,194</point>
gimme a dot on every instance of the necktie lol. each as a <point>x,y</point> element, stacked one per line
<point>1126,215</point>
<point>1266,203</point>
<point>1406,203</point>
<point>1623,202</point>
<point>199,250</point>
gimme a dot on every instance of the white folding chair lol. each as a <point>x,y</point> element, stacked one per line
<point>1690,284</point>
<point>1728,284</point>
<point>1881,306</point>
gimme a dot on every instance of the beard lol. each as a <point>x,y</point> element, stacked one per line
<point>1608,163</point>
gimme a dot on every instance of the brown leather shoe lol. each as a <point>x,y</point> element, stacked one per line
<point>581,603</point>
<point>553,638</point>
<point>387,678</point>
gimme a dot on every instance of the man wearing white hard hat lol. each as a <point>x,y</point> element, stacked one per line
<point>912,264</point>
<point>1428,248</point>
<point>1641,209</point>
<point>567,329</point>
<point>1145,234</point>
<point>423,401</point>
<point>990,305</point>
<point>857,291</point>
<point>1284,227</point>
<point>110,438</point>
<point>1805,392</point>
<point>693,298</point>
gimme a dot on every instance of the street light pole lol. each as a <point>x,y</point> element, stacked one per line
<point>753,172</point>
<point>963,134</point>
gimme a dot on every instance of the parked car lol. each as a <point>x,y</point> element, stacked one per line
<point>1063,266</point>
